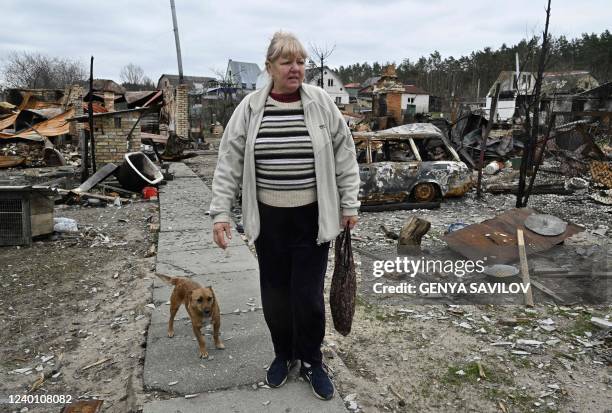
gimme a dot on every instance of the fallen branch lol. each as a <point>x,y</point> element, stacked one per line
<point>97,363</point>
<point>396,394</point>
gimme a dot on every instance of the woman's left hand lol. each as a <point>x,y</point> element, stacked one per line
<point>349,221</point>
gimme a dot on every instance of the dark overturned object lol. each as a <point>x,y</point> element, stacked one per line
<point>394,206</point>
<point>138,171</point>
<point>539,189</point>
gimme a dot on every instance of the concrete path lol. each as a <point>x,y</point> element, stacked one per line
<point>224,381</point>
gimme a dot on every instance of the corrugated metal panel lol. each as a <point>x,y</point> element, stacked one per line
<point>53,127</point>
<point>9,121</point>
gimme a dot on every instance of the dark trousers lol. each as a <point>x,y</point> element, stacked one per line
<point>292,272</point>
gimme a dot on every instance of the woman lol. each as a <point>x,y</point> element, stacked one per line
<point>289,147</point>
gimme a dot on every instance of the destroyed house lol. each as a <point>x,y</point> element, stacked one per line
<point>512,91</point>
<point>558,89</point>
<point>193,83</point>
<point>243,74</point>
<point>115,134</point>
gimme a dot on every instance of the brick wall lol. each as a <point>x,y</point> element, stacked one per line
<point>75,100</point>
<point>181,114</point>
<point>394,106</point>
<point>110,136</point>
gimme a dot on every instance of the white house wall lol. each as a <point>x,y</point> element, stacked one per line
<point>336,90</point>
<point>505,108</point>
<point>420,101</point>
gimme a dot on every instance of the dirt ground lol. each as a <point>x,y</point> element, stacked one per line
<point>81,299</point>
<point>406,357</point>
<point>73,310</point>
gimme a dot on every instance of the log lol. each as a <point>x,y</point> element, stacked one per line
<point>174,147</point>
<point>411,235</point>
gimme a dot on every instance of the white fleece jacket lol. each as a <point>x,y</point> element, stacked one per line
<point>335,162</point>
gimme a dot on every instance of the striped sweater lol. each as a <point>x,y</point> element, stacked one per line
<point>284,160</point>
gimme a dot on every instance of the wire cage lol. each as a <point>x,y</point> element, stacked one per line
<point>15,226</point>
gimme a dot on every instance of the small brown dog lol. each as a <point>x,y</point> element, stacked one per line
<point>200,303</point>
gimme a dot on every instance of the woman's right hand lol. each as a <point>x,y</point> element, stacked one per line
<point>220,230</point>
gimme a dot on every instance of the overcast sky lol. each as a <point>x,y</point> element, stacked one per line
<point>211,32</point>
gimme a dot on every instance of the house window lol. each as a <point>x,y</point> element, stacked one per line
<point>253,86</point>
<point>117,120</point>
<point>319,82</point>
<point>244,85</point>
<point>330,82</point>
<point>338,100</point>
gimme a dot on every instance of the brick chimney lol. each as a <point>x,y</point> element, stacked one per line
<point>109,101</point>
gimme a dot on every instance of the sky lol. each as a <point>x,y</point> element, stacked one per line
<point>211,32</point>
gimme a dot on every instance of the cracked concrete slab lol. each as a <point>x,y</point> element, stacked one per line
<point>188,240</point>
<point>295,397</point>
<point>247,351</point>
<point>206,261</point>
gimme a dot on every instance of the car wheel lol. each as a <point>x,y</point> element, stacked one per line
<point>425,192</point>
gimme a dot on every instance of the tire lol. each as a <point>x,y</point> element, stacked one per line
<point>425,192</point>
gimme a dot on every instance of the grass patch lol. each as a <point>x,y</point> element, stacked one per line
<point>581,325</point>
<point>521,401</point>
<point>472,374</point>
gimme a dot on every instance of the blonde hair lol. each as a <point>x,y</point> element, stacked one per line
<point>284,44</point>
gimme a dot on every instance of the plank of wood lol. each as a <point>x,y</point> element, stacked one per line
<point>91,195</point>
<point>546,290</point>
<point>524,267</point>
<point>117,189</point>
<point>96,178</point>
<point>576,274</point>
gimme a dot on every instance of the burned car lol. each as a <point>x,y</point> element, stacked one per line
<point>409,163</point>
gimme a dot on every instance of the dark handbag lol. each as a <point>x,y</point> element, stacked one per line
<point>344,284</point>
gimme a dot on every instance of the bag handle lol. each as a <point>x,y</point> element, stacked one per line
<point>347,248</point>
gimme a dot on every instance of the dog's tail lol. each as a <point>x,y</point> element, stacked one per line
<point>167,279</point>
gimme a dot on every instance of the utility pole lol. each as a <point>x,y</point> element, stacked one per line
<point>178,43</point>
<point>90,119</point>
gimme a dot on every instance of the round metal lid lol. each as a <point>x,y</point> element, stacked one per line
<point>544,224</point>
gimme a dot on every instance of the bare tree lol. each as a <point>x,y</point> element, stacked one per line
<point>132,74</point>
<point>228,85</point>
<point>529,149</point>
<point>147,83</point>
<point>321,54</point>
<point>35,70</point>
